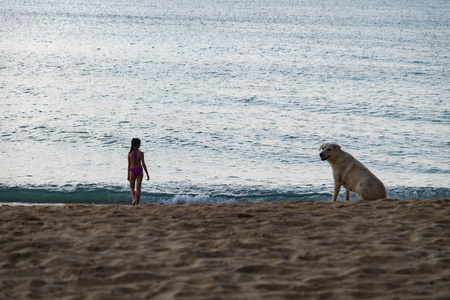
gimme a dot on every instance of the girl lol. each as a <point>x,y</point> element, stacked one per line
<point>135,175</point>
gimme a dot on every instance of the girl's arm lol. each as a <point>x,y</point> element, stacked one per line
<point>129,164</point>
<point>145,166</point>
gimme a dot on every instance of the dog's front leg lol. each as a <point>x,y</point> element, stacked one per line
<point>337,187</point>
<point>347,194</point>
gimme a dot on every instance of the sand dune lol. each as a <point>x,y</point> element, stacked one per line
<point>384,249</point>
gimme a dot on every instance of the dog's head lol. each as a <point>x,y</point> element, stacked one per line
<point>329,150</point>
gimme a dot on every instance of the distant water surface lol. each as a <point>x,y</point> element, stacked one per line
<point>231,99</point>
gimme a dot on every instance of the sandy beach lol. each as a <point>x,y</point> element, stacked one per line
<point>384,249</point>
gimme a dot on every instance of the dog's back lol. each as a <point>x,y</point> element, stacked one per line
<point>360,179</point>
<point>364,182</point>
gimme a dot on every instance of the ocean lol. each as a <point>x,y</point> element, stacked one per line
<point>231,98</point>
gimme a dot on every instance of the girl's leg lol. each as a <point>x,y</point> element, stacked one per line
<point>132,186</point>
<point>138,187</point>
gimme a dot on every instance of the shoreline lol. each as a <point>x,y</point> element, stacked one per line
<point>383,249</point>
<point>114,195</point>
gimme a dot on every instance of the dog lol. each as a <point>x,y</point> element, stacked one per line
<point>350,173</point>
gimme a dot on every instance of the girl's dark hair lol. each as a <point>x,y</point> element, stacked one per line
<point>135,143</point>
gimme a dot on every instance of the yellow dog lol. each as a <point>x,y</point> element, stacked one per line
<point>350,173</point>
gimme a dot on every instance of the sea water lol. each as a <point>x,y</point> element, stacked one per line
<point>231,98</point>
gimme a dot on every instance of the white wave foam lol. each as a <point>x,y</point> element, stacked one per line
<point>188,199</point>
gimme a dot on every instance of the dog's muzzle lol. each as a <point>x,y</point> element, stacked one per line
<point>323,156</point>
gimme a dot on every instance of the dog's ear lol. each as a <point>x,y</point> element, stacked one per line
<point>337,147</point>
<point>321,147</point>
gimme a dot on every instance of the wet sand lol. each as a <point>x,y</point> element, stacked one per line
<point>384,249</point>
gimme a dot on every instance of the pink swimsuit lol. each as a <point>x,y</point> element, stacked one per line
<point>136,171</point>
